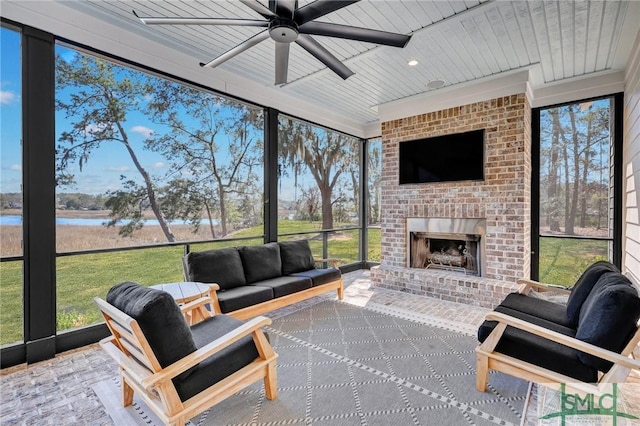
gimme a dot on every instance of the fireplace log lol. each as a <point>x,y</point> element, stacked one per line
<point>439,258</point>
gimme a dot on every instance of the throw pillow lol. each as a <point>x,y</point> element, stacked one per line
<point>581,289</point>
<point>222,266</point>
<point>261,262</point>
<point>296,256</point>
<point>160,319</point>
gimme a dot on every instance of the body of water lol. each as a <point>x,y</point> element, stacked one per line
<point>17,220</point>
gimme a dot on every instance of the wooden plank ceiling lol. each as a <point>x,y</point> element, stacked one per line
<point>455,41</point>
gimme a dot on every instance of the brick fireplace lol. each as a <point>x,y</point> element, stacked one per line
<point>501,203</point>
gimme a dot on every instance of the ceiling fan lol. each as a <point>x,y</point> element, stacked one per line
<point>285,23</point>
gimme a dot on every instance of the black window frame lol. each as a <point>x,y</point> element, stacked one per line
<point>618,176</point>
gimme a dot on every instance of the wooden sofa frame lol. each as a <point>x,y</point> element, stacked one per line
<point>140,371</point>
<point>279,302</point>
<point>488,359</point>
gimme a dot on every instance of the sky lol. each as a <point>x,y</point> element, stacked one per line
<point>10,111</point>
<point>106,164</point>
<point>104,168</point>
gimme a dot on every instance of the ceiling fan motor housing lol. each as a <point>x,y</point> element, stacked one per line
<point>283,30</point>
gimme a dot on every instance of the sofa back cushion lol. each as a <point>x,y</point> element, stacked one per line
<point>261,262</point>
<point>222,266</point>
<point>581,289</point>
<point>608,317</point>
<point>160,319</point>
<point>296,256</point>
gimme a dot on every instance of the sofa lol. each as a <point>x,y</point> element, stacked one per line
<point>578,342</point>
<point>253,280</point>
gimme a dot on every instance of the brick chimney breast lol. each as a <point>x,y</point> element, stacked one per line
<point>503,199</point>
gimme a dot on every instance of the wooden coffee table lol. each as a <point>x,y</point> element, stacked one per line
<point>184,292</point>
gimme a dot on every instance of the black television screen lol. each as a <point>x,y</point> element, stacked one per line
<point>446,158</point>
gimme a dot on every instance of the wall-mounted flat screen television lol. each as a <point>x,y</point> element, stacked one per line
<point>447,158</point>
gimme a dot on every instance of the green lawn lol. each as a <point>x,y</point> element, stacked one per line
<point>82,277</point>
<point>562,260</point>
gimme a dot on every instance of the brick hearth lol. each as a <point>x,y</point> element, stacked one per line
<point>503,199</point>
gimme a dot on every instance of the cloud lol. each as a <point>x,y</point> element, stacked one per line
<point>143,130</point>
<point>6,97</point>
<point>16,167</point>
<point>96,128</point>
<point>158,165</point>
<point>118,169</point>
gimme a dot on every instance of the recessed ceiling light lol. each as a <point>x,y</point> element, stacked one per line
<point>436,84</point>
<point>412,63</point>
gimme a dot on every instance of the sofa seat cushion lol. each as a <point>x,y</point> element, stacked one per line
<point>540,308</point>
<point>220,365</point>
<point>282,286</point>
<point>261,262</point>
<point>160,319</point>
<point>296,256</point>
<point>608,317</point>
<point>241,297</point>
<point>320,276</point>
<point>539,351</point>
<point>221,266</point>
<point>582,288</point>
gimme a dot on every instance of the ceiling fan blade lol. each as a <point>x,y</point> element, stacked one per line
<point>203,21</point>
<point>285,8</point>
<point>261,36</point>
<point>323,55</point>
<point>355,33</point>
<point>259,8</point>
<point>319,8</point>
<point>282,62</point>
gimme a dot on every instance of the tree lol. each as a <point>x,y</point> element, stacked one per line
<point>97,96</point>
<point>574,154</point>
<point>553,199</point>
<point>309,204</point>
<point>325,154</point>
<point>374,177</point>
<point>212,140</point>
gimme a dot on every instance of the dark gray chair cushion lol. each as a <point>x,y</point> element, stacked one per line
<point>160,319</point>
<point>220,365</point>
<point>282,286</point>
<point>261,262</point>
<point>320,276</point>
<point>608,317</point>
<point>581,289</point>
<point>296,256</point>
<point>537,350</point>
<point>241,297</point>
<point>222,266</point>
<point>540,308</point>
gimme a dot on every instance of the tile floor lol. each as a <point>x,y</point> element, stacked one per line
<point>58,391</point>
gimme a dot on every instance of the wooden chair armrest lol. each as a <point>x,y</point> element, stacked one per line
<point>252,326</point>
<point>334,261</point>
<point>213,286</point>
<point>559,338</point>
<point>136,370</point>
<point>526,285</point>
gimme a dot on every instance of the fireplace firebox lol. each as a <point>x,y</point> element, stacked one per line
<point>451,244</point>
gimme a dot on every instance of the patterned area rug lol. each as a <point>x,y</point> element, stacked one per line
<point>341,364</point>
